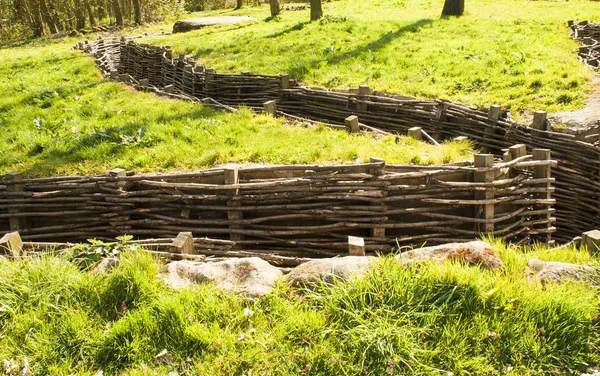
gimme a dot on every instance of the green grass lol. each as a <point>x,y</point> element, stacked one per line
<point>58,116</point>
<point>405,321</point>
<point>515,53</point>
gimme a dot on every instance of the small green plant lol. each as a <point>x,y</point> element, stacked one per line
<point>87,255</point>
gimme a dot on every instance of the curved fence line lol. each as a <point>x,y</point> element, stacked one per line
<point>577,174</point>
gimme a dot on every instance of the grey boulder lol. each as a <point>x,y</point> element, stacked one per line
<point>561,272</point>
<point>473,253</point>
<point>184,26</point>
<point>314,272</point>
<point>251,277</point>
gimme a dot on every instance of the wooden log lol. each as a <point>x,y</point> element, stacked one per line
<point>356,246</point>
<point>183,243</point>
<point>485,211</point>
<point>17,222</point>
<point>11,244</point>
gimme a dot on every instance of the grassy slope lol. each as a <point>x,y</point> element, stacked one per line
<point>510,52</point>
<point>409,321</point>
<point>59,117</point>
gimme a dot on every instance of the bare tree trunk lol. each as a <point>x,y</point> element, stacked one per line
<point>47,17</point>
<point>453,8</point>
<point>118,13</point>
<point>91,17</point>
<point>316,10</point>
<point>239,4</point>
<point>137,12</point>
<point>38,23</point>
<point>79,14</point>
<point>274,7</point>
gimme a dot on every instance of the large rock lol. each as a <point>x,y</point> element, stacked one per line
<point>251,277</point>
<point>314,272</point>
<point>473,253</point>
<point>560,271</point>
<point>184,26</point>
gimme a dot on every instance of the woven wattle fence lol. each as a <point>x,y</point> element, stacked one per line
<point>293,211</point>
<point>589,36</point>
<point>577,175</point>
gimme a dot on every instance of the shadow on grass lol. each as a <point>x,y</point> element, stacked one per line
<point>299,71</point>
<point>106,144</point>
<point>297,27</point>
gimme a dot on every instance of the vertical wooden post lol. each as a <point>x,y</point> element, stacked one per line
<point>285,81</point>
<point>516,151</point>
<point>183,243</point>
<point>232,176</point>
<point>540,122</point>
<point>119,173</point>
<point>490,130</point>
<point>270,107</point>
<point>16,222</point>
<point>416,133</point>
<point>209,78</point>
<point>377,170</point>
<point>486,211</point>
<point>352,124</point>
<point>363,92</point>
<point>441,117</point>
<point>356,246</point>
<point>11,244</point>
<point>544,172</point>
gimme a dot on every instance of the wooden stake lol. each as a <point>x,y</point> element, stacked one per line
<point>378,232</point>
<point>416,133</point>
<point>11,244</point>
<point>540,122</point>
<point>183,243</point>
<point>270,107</point>
<point>591,240</point>
<point>232,177</point>
<point>356,246</point>
<point>352,124</point>
<point>485,211</point>
<point>17,222</point>
<point>543,172</point>
<point>493,116</point>
<point>363,91</point>
<point>285,81</point>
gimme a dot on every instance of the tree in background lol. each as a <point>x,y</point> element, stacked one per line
<point>36,18</point>
<point>274,7</point>
<point>453,8</point>
<point>316,10</point>
<point>239,4</point>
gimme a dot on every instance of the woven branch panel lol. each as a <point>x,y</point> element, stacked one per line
<point>577,175</point>
<point>297,211</point>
